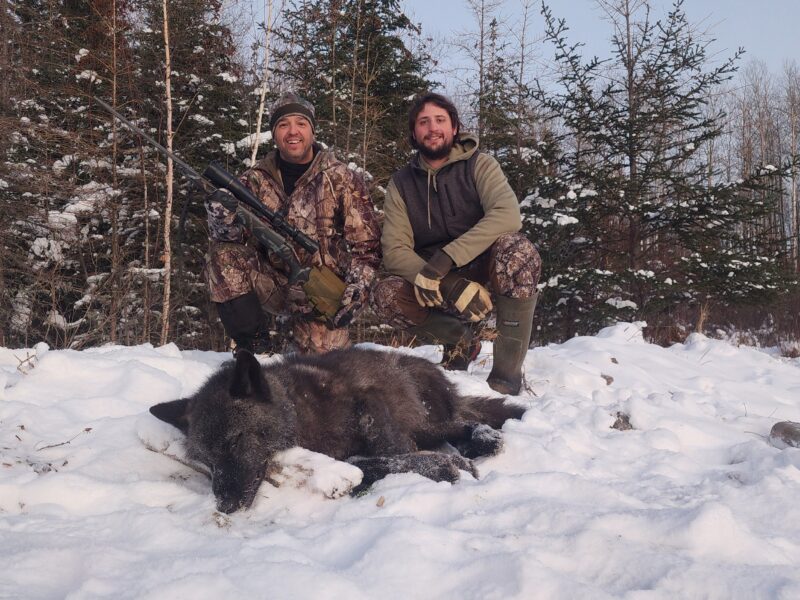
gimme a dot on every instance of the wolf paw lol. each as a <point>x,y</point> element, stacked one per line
<point>484,441</point>
<point>463,464</point>
<point>433,465</point>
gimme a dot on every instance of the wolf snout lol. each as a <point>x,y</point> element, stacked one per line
<point>233,492</point>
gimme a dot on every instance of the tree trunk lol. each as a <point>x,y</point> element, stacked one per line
<point>165,315</point>
<point>353,78</point>
<point>116,275</point>
<point>264,83</point>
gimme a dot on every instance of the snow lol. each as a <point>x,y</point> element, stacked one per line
<point>563,220</point>
<point>51,250</point>
<point>89,198</point>
<point>619,303</point>
<point>693,502</point>
<point>247,142</point>
<point>62,163</point>
<point>201,120</point>
<point>92,76</point>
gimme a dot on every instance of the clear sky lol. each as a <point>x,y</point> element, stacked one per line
<point>768,29</point>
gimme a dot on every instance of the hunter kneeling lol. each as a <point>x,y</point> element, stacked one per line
<point>318,195</point>
<point>451,241</point>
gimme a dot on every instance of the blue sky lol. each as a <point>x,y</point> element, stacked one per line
<point>767,29</point>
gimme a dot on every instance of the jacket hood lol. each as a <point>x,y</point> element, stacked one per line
<point>463,148</point>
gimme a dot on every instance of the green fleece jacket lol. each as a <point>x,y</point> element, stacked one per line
<point>499,203</point>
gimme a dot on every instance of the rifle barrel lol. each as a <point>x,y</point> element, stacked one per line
<point>187,170</point>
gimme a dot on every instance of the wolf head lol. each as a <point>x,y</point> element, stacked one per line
<point>234,424</point>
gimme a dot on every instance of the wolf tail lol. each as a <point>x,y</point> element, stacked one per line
<point>491,411</point>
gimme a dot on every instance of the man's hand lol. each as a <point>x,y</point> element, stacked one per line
<point>469,298</point>
<point>221,200</point>
<point>426,283</point>
<point>352,305</point>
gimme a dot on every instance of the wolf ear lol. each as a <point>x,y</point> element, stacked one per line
<point>173,412</point>
<point>248,382</point>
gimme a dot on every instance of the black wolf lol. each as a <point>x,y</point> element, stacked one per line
<point>376,409</point>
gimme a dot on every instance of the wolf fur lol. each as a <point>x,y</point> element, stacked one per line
<point>376,409</point>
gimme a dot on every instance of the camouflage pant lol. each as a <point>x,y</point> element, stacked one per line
<point>510,267</point>
<point>233,270</point>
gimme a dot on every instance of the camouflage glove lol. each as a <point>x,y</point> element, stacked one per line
<point>469,298</point>
<point>426,282</point>
<point>224,224</point>
<point>352,305</point>
<point>219,202</point>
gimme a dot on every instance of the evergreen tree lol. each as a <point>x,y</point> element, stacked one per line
<point>59,189</point>
<point>212,121</point>
<point>80,195</point>
<point>512,129</point>
<point>351,60</point>
<point>652,225</point>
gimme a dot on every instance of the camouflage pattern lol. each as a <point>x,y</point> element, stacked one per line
<point>233,270</point>
<point>330,204</point>
<point>515,266</point>
<point>511,267</point>
<point>314,337</point>
<point>223,224</point>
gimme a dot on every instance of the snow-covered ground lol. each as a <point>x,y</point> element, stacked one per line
<point>691,503</point>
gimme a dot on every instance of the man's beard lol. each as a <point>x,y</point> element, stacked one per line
<point>442,152</point>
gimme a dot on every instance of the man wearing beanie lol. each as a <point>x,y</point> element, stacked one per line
<point>320,196</point>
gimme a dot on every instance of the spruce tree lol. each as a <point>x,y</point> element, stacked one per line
<point>351,59</point>
<point>59,187</point>
<point>213,105</point>
<point>652,227</point>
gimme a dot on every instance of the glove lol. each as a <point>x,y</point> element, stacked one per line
<point>352,305</point>
<point>224,224</point>
<point>426,282</point>
<point>221,201</point>
<point>469,298</point>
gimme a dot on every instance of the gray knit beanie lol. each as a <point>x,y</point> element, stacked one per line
<point>291,104</point>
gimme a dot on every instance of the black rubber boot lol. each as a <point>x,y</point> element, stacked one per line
<point>243,320</point>
<point>514,325</point>
<point>458,339</point>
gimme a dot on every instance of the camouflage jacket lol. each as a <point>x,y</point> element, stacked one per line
<point>330,204</point>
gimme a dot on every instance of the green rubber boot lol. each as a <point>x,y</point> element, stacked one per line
<point>461,346</point>
<point>514,325</point>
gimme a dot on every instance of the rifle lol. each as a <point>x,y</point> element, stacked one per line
<point>322,286</point>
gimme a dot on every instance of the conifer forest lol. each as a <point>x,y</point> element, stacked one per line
<point>660,182</point>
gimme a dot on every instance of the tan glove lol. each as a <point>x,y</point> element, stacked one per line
<point>426,282</point>
<point>469,298</point>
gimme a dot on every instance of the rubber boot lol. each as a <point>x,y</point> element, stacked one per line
<point>243,320</point>
<point>461,346</point>
<point>514,325</point>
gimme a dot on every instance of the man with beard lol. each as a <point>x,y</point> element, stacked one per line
<point>452,245</point>
<point>320,196</point>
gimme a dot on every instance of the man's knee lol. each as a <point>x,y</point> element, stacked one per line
<point>517,266</point>
<point>393,302</point>
<point>233,270</point>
